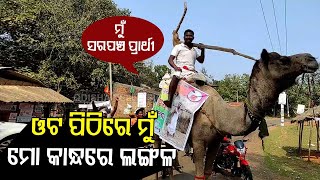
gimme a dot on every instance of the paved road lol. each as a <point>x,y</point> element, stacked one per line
<point>188,171</point>
<point>259,172</point>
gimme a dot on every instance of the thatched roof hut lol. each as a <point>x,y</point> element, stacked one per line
<point>308,114</point>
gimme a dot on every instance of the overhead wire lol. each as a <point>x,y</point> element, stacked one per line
<point>285,24</point>
<point>265,21</point>
<point>275,18</point>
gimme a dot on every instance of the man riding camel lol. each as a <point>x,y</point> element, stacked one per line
<point>185,56</point>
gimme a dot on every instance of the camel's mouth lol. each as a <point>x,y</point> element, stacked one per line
<point>311,68</point>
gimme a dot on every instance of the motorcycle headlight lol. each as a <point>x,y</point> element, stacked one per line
<point>241,151</point>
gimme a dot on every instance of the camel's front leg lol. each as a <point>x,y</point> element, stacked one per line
<point>213,148</point>
<point>201,133</point>
<point>199,152</point>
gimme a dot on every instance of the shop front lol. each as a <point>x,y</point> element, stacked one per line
<point>22,98</point>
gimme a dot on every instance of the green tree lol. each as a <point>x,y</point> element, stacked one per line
<point>233,86</point>
<point>161,70</point>
<point>46,41</point>
<point>299,93</point>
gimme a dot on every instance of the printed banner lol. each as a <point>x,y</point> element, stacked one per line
<point>26,112</point>
<point>173,125</point>
<point>26,106</point>
<point>24,119</point>
<point>38,108</point>
<point>13,116</point>
<point>163,113</point>
<point>8,107</point>
<point>97,103</point>
<point>142,99</point>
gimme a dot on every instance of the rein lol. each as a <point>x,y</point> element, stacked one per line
<point>257,120</point>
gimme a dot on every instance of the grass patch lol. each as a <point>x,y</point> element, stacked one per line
<point>281,155</point>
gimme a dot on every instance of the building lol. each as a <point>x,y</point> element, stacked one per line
<point>123,91</point>
<point>22,97</point>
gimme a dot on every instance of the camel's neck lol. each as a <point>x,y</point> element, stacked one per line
<point>263,93</point>
<point>262,96</point>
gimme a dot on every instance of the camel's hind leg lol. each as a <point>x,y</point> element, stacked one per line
<point>213,148</point>
<point>199,152</point>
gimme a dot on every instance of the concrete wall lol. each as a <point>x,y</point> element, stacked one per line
<point>123,92</point>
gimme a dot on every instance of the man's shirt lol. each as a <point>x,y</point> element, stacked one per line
<point>185,56</point>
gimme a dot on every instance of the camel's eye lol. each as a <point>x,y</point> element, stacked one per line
<point>284,61</point>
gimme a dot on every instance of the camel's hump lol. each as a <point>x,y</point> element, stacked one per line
<point>207,89</point>
<point>214,93</point>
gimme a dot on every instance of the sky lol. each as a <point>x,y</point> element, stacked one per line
<point>234,24</point>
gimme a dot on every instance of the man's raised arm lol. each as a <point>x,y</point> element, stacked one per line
<point>200,59</point>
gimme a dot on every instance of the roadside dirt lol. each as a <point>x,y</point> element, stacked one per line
<point>256,159</point>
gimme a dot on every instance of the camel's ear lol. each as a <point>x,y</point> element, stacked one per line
<point>265,55</point>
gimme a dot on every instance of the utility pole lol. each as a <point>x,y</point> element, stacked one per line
<point>282,101</point>
<point>237,95</point>
<point>288,106</point>
<point>110,76</point>
<point>282,115</point>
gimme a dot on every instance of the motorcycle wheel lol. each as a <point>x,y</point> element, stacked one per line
<point>246,173</point>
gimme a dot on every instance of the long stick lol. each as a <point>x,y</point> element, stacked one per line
<point>176,39</point>
<point>229,50</point>
<point>184,14</point>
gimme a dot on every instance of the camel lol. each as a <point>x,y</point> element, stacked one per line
<point>270,76</point>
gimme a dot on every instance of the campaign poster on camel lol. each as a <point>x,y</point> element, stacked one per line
<point>163,113</point>
<point>176,122</point>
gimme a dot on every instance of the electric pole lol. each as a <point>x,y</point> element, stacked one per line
<point>237,96</point>
<point>288,105</point>
<point>110,76</point>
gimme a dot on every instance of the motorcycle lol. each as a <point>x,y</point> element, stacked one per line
<point>231,160</point>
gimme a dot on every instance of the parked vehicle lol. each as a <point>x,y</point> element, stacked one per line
<point>231,160</point>
<point>8,131</point>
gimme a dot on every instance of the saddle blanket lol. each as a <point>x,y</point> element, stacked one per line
<point>174,124</point>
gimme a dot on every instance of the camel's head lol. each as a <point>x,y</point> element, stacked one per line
<point>282,68</point>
